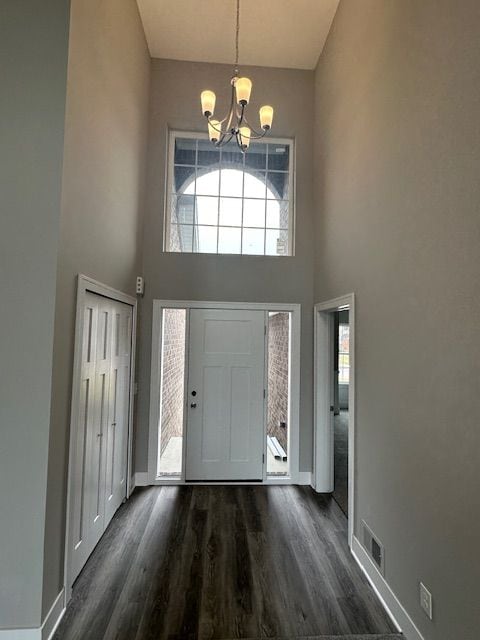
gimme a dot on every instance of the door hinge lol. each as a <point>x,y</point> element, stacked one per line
<point>264,394</point>
<point>265,330</point>
<point>263,458</point>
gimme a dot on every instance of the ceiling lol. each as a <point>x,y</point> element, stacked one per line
<point>273,33</point>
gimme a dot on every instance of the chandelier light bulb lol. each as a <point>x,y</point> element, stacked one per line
<point>245,134</point>
<point>266,117</point>
<point>208,102</point>
<point>214,130</point>
<point>243,87</point>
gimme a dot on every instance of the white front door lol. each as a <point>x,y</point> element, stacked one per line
<point>225,395</point>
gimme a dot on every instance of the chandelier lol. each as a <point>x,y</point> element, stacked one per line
<point>235,123</point>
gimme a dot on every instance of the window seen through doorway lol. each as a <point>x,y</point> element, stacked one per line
<point>343,354</point>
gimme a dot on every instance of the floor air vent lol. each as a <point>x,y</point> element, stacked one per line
<point>374,547</point>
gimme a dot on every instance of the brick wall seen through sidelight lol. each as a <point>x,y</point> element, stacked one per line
<point>278,355</point>
<point>173,359</point>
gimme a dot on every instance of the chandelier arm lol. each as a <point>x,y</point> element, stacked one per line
<point>224,120</point>
<point>228,118</point>
<point>257,134</point>
<point>232,109</point>
<point>224,140</point>
<point>223,132</point>
<point>237,139</point>
<point>221,141</point>
<point>241,116</point>
<point>216,128</point>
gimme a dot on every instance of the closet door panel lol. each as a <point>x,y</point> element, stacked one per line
<point>81,508</point>
<point>98,433</point>
<point>118,409</point>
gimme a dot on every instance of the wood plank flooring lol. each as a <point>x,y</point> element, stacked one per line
<point>223,562</point>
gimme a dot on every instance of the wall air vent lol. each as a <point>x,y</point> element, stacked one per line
<point>374,547</point>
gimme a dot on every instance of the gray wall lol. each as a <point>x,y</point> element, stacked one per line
<point>176,88</point>
<point>33,67</point>
<point>398,191</point>
<point>102,202</point>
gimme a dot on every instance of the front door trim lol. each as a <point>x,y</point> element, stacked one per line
<point>295,476</point>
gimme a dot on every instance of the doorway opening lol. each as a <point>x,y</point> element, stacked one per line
<point>213,410</point>
<point>334,391</point>
<point>341,374</point>
<point>172,391</point>
<point>278,393</point>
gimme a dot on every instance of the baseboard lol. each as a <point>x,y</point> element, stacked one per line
<point>141,479</point>
<point>48,628</point>
<point>53,617</point>
<point>304,477</point>
<point>392,604</point>
<point>20,634</point>
<point>298,478</point>
<point>132,485</point>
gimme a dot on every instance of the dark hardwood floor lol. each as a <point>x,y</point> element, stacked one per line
<point>223,562</point>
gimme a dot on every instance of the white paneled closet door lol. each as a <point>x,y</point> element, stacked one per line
<point>119,407</point>
<point>79,538</point>
<point>101,438</point>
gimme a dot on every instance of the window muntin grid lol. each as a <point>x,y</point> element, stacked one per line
<point>223,201</point>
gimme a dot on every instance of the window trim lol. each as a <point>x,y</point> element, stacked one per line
<point>172,134</point>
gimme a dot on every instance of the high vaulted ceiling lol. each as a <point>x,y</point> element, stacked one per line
<point>273,33</point>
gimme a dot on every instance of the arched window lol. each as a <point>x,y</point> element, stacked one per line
<point>221,201</point>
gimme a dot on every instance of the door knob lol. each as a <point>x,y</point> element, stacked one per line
<point>193,405</point>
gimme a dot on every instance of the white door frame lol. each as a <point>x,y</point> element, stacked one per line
<point>295,476</point>
<point>323,472</point>
<point>84,285</point>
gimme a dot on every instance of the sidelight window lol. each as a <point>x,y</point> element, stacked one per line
<point>278,405</point>
<point>170,449</point>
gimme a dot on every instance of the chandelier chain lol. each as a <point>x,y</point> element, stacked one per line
<point>237,34</point>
